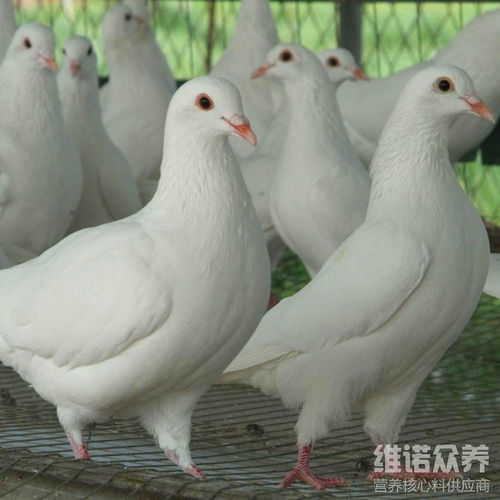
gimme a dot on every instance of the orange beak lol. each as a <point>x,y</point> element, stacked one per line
<point>478,107</point>
<point>262,70</point>
<point>50,62</point>
<point>74,66</point>
<point>241,127</point>
<point>359,74</point>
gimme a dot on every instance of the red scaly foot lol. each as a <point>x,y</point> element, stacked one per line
<point>80,451</point>
<point>191,469</point>
<point>301,472</point>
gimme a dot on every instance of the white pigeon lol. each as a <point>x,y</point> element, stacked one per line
<point>366,331</point>
<point>340,62</point>
<point>138,317</point>
<point>109,189</point>
<point>254,36</point>
<point>366,106</point>
<point>40,171</point>
<point>138,97</point>
<point>492,286</point>
<point>320,188</point>
<point>331,59</point>
<point>149,47</point>
<point>7,25</point>
<point>258,168</point>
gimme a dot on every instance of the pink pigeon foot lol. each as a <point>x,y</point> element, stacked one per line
<point>273,300</point>
<point>80,451</point>
<point>406,474</point>
<point>301,472</point>
<point>191,469</point>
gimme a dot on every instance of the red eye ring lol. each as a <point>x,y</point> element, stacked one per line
<point>204,102</point>
<point>27,43</point>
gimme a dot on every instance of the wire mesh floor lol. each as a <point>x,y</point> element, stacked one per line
<point>245,441</point>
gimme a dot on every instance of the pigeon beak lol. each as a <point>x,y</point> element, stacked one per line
<point>262,70</point>
<point>359,74</point>
<point>50,62</point>
<point>74,67</point>
<point>478,107</point>
<point>240,126</point>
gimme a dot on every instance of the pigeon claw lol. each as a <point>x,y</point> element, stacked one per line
<point>301,473</point>
<point>191,469</point>
<point>80,451</point>
<point>194,471</point>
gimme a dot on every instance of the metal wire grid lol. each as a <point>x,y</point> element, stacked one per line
<point>245,441</point>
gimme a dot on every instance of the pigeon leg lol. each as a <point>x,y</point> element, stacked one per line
<point>170,421</point>
<point>72,422</point>
<point>80,451</point>
<point>190,469</point>
<point>301,472</point>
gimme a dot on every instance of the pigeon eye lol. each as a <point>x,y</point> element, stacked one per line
<point>443,85</point>
<point>204,102</point>
<point>333,61</point>
<point>89,51</point>
<point>286,56</point>
<point>128,16</point>
<point>64,51</point>
<point>27,43</point>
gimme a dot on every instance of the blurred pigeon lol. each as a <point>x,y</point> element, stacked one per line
<point>149,47</point>
<point>40,172</point>
<point>254,36</point>
<point>109,189</point>
<point>134,110</point>
<point>320,188</point>
<point>366,106</point>
<point>258,168</point>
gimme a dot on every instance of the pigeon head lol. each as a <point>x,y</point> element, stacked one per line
<point>33,44</point>
<point>340,65</point>
<point>210,105</point>
<point>139,9</point>
<point>122,25</point>
<point>447,91</point>
<point>289,62</point>
<point>79,59</point>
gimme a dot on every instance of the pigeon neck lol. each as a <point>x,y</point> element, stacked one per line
<point>315,123</point>
<point>81,108</point>
<point>411,161</point>
<point>29,99</point>
<point>127,63</point>
<point>196,170</point>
